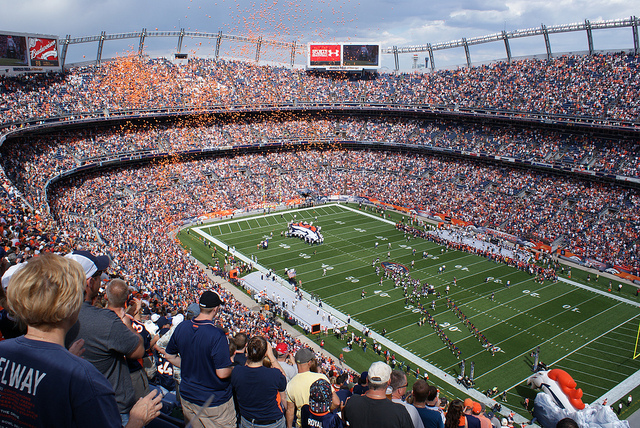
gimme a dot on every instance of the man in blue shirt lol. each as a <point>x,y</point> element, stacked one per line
<point>426,401</point>
<point>201,350</point>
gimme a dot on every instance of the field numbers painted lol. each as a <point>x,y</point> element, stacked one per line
<point>464,268</point>
<point>339,222</point>
<point>406,247</point>
<point>381,293</point>
<point>412,309</point>
<point>357,229</point>
<point>327,267</point>
<point>352,279</point>
<point>532,294</point>
<point>285,246</point>
<point>573,309</point>
<point>451,328</point>
<point>304,255</point>
<point>382,238</point>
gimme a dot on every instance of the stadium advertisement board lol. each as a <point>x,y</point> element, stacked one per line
<point>343,56</point>
<point>43,52</point>
<point>28,53</point>
<point>323,55</point>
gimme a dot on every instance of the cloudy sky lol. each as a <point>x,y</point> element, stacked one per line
<point>399,23</point>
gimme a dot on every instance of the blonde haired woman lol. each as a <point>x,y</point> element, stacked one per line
<point>45,385</point>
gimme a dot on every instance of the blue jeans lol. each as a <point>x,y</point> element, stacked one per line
<point>124,417</point>
<point>245,423</point>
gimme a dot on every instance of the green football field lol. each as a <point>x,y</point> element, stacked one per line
<point>586,331</point>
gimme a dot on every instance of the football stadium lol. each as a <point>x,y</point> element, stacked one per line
<point>468,236</point>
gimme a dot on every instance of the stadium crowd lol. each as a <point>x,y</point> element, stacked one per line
<point>533,206</point>
<point>129,213</point>
<point>600,86</point>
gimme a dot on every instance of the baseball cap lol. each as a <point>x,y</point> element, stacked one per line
<point>210,299</point>
<point>304,355</point>
<point>193,310</point>
<point>282,348</point>
<point>90,263</point>
<point>163,322</point>
<point>155,318</point>
<point>320,396</point>
<point>477,408</point>
<point>8,274</point>
<point>177,319</point>
<point>468,402</point>
<point>379,373</point>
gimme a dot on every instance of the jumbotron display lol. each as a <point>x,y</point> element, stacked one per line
<point>28,53</point>
<point>343,56</point>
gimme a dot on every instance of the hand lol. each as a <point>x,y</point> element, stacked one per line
<point>145,410</point>
<point>269,352</point>
<point>77,348</point>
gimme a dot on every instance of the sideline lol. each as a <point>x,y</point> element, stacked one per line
<point>603,293</point>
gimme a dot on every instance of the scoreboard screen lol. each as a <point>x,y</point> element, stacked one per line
<point>343,56</point>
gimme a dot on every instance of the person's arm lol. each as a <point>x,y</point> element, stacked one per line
<point>139,351</point>
<point>224,373</point>
<point>274,361</point>
<point>291,411</point>
<point>154,340</point>
<point>77,348</point>
<point>125,339</point>
<point>173,359</point>
<point>335,401</point>
<point>145,410</point>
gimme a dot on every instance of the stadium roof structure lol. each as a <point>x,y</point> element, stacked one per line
<point>297,48</point>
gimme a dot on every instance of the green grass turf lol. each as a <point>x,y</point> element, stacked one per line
<point>589,335</point>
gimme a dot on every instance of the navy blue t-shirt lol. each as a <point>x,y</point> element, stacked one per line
<point>343,394</point>
<point>164,376</point>
<point>430,418</point>
<point>203,348</point>
<point>44,385</point>
<point>257,390</point>
<point>326,420</point>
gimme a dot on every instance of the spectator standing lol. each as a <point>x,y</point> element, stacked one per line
<point>426,401</point>
<point>317,414</point>
<point>286,361</point>
<point>478,412</point>
<point>107,339</point>
<point>399,385</point>
<point>59,388</point>
<point>373,409</point>
<point>455,415</point>
<point>343,392</point>
<point>362,386</point>
<point>240,339</point>
<point>117,297</point>
<point>298,388</point>
<point>472,421</point>
<point>257,387</point>
<point>203,350</point>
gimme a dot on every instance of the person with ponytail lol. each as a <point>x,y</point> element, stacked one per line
<point>258,388</point>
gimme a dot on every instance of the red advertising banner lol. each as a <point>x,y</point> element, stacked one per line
<point>324,55</point>
<point>43,52</point>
